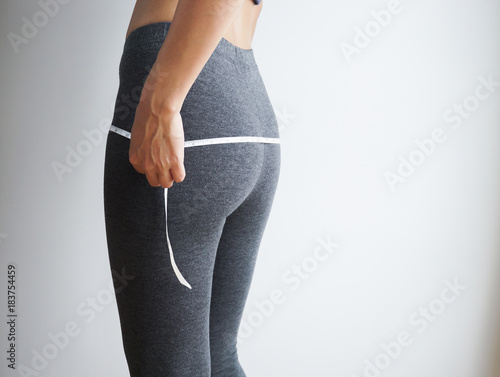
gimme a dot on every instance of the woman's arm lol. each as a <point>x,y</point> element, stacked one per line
<point>157,140</point>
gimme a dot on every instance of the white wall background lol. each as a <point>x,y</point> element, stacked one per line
<point>346,121</point>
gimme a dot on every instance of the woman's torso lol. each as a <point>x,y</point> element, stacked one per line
<point>240,31</point>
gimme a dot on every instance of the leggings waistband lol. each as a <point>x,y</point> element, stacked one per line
<point>157,31</point>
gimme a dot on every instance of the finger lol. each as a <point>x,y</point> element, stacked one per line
<point>178,172</point>
<point>165,178</point>
<point>177,164</point>
<point>152,178</point>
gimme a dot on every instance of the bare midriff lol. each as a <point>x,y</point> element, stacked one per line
<point>240,32</point>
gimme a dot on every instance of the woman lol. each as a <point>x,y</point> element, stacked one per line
<point>191,108</point>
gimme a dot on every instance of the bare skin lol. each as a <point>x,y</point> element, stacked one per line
<point>240,31</point>
<point>157,138</point>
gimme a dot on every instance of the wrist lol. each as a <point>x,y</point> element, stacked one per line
<point>159,96</point>
<point>158,104</point>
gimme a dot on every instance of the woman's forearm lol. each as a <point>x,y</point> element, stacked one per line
<point>196,29</point>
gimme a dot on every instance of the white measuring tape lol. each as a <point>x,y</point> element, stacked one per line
<point>215,140</point>
<point>194,143</point>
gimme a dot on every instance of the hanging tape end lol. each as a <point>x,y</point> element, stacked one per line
<point>186,284</point>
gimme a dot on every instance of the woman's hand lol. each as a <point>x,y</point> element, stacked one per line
<point>157,144</point>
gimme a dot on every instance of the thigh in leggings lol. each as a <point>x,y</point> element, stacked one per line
<point>180,318</point>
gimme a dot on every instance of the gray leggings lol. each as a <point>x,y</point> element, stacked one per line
<point>182,302</point>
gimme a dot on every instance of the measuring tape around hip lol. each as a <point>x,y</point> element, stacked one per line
<point>193,143</point>
<point>215,140</point>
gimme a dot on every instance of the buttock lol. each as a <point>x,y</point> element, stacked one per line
<point>219,178</point>
<point>222,171</point>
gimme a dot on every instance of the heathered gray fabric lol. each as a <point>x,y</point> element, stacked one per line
<point>216,217</point>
